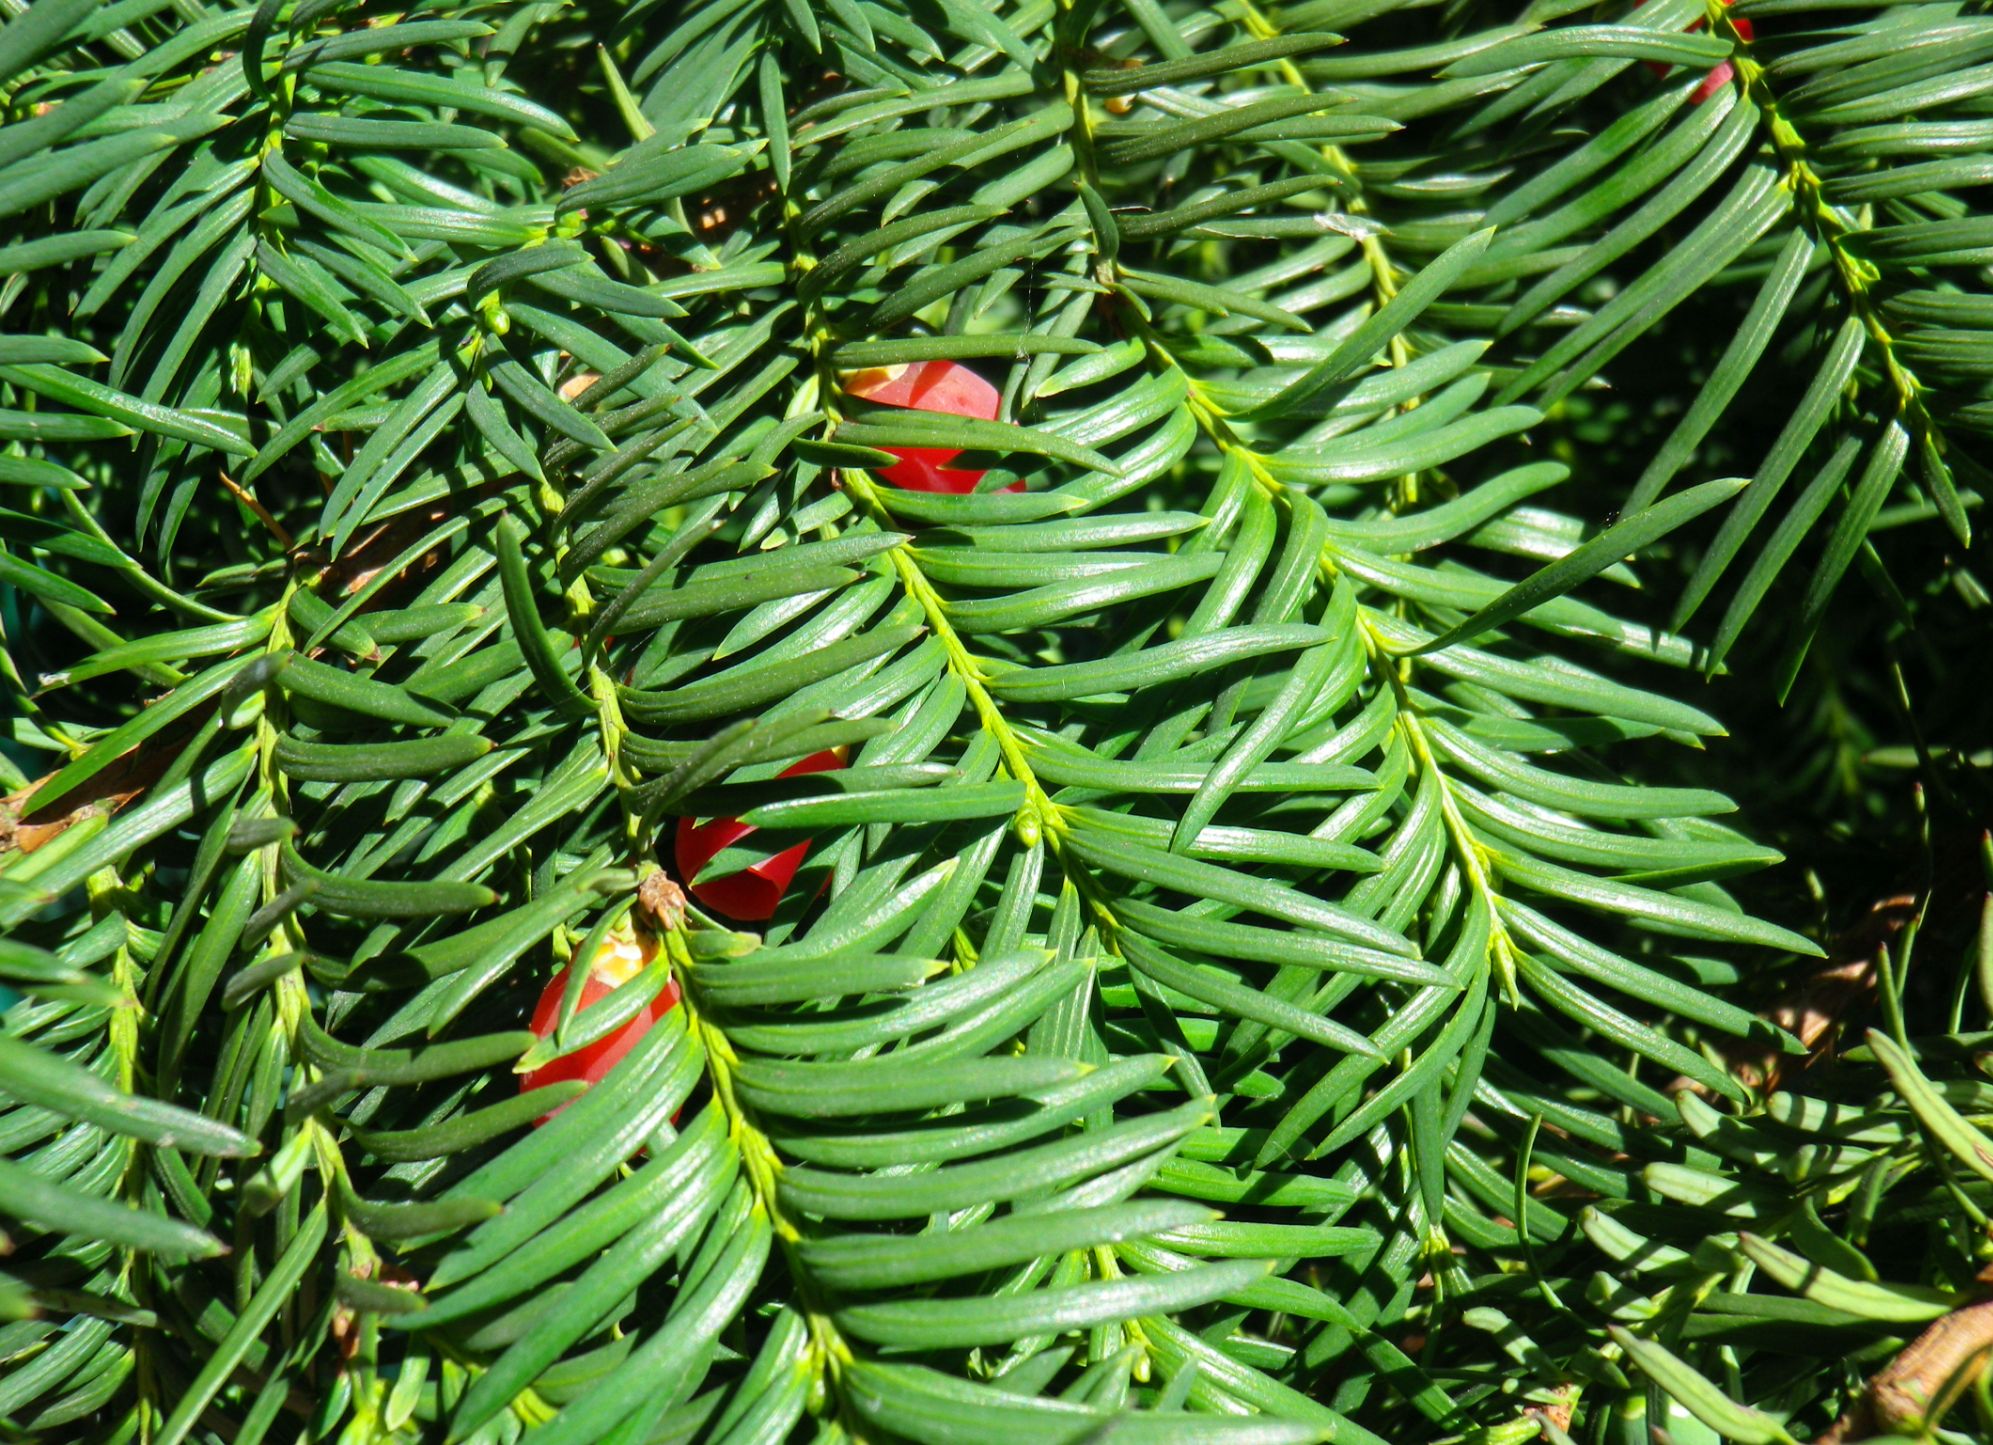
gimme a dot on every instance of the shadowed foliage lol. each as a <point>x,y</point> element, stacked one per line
<point>1279,946</point>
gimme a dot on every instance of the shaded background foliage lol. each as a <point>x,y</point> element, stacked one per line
<point>1287,962</point>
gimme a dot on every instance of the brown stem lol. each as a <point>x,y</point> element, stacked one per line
<point>1917,1387</point>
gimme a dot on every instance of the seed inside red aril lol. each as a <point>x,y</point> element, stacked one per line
<point>938,386</point>
<point>751,895</point>
<point>616,963</point>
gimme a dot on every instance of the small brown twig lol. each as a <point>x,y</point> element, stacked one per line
<point>270,523</point>
<point>1915,1389</point>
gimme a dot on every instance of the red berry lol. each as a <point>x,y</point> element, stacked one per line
<point>1712,82</point>
<point>1718,77</point>
<point>752,894</point>
<point>618,961</point>
<point>938,386</point>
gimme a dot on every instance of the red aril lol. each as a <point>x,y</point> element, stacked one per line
<point>939,386</point>
<point>621,958</point>
<point>1717,77</point>
<point>751,895</point>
